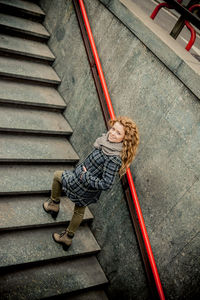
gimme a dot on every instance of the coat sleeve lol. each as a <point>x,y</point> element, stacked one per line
<point>109,172</point>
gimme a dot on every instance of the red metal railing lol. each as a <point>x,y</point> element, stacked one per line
<point>191,28</point>
<point>128,173</point>
<point>187,23</point>
<point>159,6</point>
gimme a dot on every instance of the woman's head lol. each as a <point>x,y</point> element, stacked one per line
<point>116,133</point>
<point>124,129</point>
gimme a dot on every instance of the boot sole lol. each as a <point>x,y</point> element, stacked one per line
<point>52,213</point>
<point>65,247</point>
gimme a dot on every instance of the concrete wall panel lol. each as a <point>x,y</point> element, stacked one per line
<point>147,80</point>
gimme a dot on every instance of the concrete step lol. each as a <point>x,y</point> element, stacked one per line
<point>22,26</point>
<point>27,148</point>
<point>23,69</point>
<point>54,279</point>
<point>26,7</point>
<point>96,294</point>
<point>37,245</point>
<point>20,46</point>
<point>13,119</point>
<point>31,179</point>
<point>30,94</point>
<point>17,212</point>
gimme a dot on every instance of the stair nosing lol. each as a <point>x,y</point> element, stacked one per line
<point>26,54</point>
<point>28,78</point>
<point>28,70</point>
<point>33,192</point>
<point>23,10</point>
<point>34,104</point>
<point>26,48</point>
<point>40,225</point>
<point>31,160</point>
<point>29,33</point>
<point>40,132</point>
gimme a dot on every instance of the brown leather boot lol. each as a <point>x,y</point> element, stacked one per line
<point>51,207</point>
<point>63,238</point>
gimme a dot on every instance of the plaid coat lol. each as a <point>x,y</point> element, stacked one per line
<point>100,175</point>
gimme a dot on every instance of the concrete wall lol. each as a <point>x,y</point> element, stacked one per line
<point>148,81</point>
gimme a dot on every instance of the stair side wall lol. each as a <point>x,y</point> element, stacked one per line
<point>166,169</point>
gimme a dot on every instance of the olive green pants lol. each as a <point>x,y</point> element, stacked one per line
<point>78,210</point>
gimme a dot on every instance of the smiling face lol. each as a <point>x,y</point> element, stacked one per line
<point>116,133</point>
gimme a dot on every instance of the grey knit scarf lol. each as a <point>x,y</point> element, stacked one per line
<point>107,147</point>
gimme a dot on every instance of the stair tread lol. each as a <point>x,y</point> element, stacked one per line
<point>27,70</point>
<point>88,295</point>
<point>20,179</point>
<point>16,147</point>
<point>23,26</point>
<point>27,211</point>
<point>36,245</point>
<point>25,47</point>
<point>26,6</point>
<point>63,277</point>
<point>30,94</point>
<point>29,120</point>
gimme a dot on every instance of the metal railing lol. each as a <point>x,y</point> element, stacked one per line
<point>187,17</point>
<point>127,180</point>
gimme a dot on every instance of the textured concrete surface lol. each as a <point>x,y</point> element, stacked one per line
<point>29,94</point>
<point>173,55</point>
<point>30,120</point>
<point>186,262</point>
<point>156,85</point>
<point>34,178</point>
<point>19,68</point>
<point>88,295</point>
<point>23,26</point>
<point>56,278</point>
<point>40,245</point>
<point>181,226</point>
<point>17,45</point>
<point>25,6</point>
<point>27,211</point>
<point>25,148</point>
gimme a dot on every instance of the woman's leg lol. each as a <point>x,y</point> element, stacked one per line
<point>66,236</point>
<point>56,186</point>
<point>76,219</point>
<point>52,205</point>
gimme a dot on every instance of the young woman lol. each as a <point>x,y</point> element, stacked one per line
<point>113,152</point>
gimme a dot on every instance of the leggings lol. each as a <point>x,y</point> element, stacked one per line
<point>78,210</point>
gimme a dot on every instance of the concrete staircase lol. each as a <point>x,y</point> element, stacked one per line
<point>33,139</point>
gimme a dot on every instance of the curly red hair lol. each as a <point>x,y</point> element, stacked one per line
<point>130,141</point>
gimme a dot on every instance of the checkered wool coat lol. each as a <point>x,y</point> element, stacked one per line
<point>100,175</point>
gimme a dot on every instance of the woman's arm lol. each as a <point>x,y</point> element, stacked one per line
<point>110,169</point>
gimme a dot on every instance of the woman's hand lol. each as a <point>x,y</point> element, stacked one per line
<point>84,170</point>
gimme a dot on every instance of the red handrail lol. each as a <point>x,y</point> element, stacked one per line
<point>97,60</point>
<point>159,6</point>
<point>187,23</point>
<point>191,28</point>
<point>128,173</point>
<point>193,36</point>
